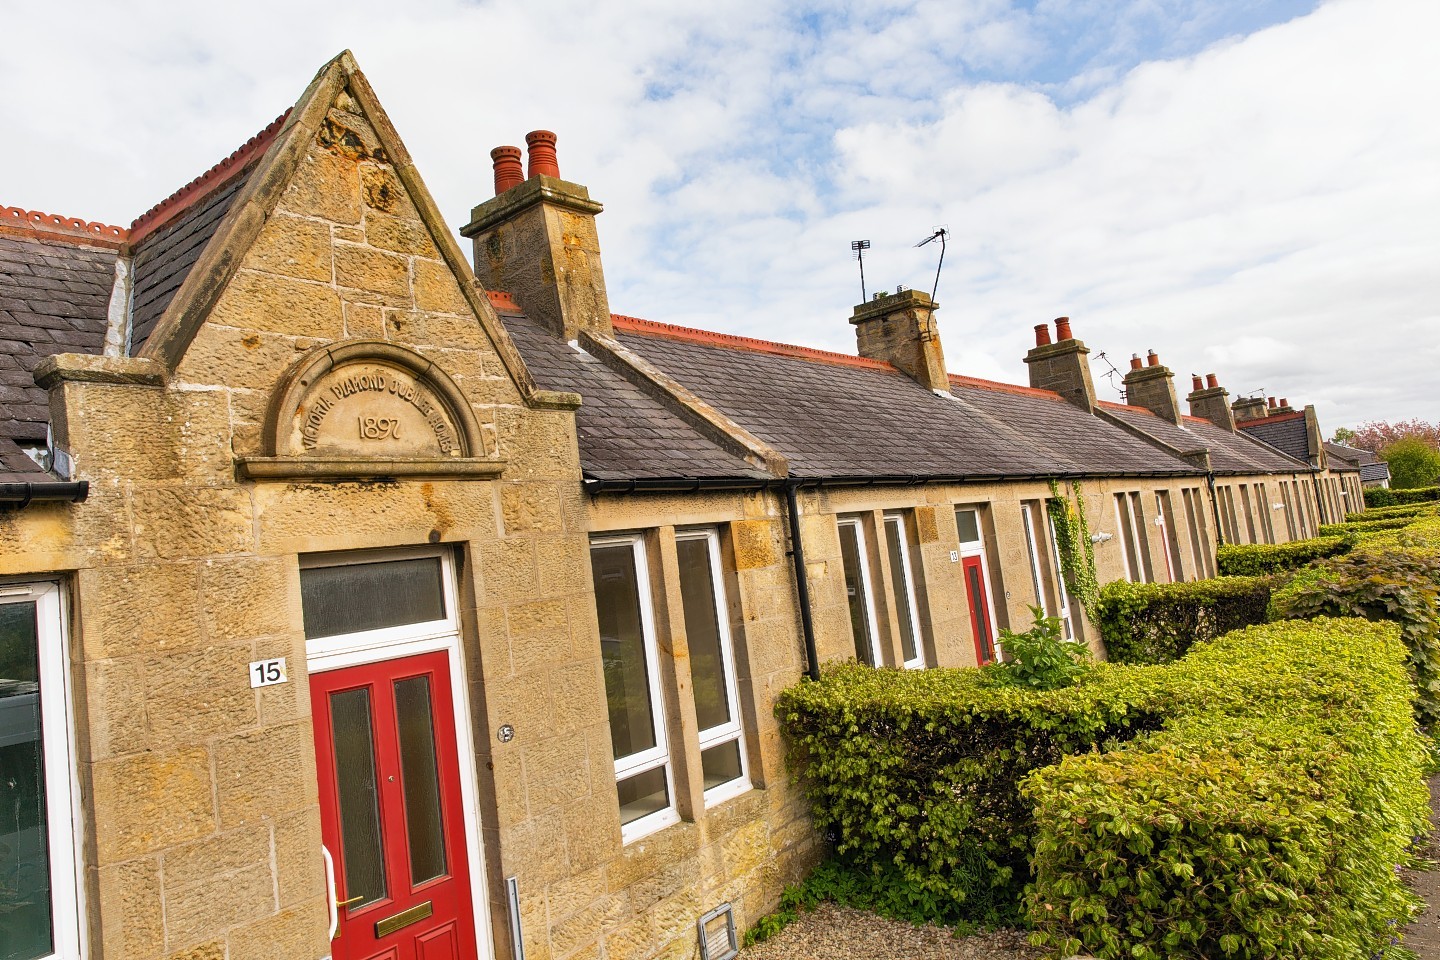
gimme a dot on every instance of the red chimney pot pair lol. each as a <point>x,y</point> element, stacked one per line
<point>509,173</point>
<point>1062,332</point>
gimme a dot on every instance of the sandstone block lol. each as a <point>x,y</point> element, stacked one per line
<point>248,597</point>
<point>590,835</point>
<point>132,925</point>
<point>299,933</point>
<point>292,247</point>
<point>193,696</point>
<point>365,268</point>
<point>140,609</point>
<point>364,320</point>
<point>152,800</point>
<point>325,186</point>
<point>757,544</point>
<point>115,690</point>
<point>400,235</point>
<point>275,304</point>
<point>265,773</point>
<point>239,359</point>
<point>192,521</point>
<point>385,193</point>
<point>927,529</point>
<point>215,902</point>
<point>437,289</point>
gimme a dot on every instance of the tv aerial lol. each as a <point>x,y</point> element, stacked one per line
<point>940,234</point>
<point>860,246</point>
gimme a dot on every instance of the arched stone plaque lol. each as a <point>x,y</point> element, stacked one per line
<point>369,408</point>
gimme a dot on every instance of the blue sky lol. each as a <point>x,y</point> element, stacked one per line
<point>1251,189</point>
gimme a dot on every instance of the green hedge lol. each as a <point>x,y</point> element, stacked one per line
<point>1384,497</point>
<point>1364,526</point>
<point>1385,513</point>
<point>916,772</point>
<point>1160,622</point>
<point>1396,583</point>
<point>1265,821</point>
<point>1257,559</point>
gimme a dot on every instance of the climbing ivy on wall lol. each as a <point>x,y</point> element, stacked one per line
<point>1072,539</point>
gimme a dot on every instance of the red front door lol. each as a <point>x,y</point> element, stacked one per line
<point>979,593</point>
<point>391,815</point>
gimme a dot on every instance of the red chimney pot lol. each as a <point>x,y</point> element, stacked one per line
<point>1196,384</point>
<point>1135,363</point>
<point>1042,334</point>
<point>1284,402</point>
<point>1153,359</point>
<point>542,154</point>
<point>1273,404</point>
<point>1212,381</point>
<point>1062,329</point>
<point>509,172</point>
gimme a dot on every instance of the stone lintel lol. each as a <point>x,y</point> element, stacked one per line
<point>90,368</point>
<point>538,189</point>
<point>554,400</point>
<point>318,468</point>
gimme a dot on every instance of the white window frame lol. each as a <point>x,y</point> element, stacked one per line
<point>658,756</point>
<point>866,584</point>
<point>734,731</point>
<point>57,739</point>
<point>408,640</point>
<point>1060,580</point>
<point>1127,520</point>
<point>916,662</point>
<point>1164,536</point>
<point>976,548</point>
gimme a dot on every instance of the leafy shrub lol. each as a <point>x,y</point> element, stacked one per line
<point>1255,559</point>
<point>1159,622</point>
<point>1414,463</point>
<point>1266,820</point>
<point>1385,513</point>
<point>916,772</point>
<point>1401,584</point>
<point>1364,526</point>
<point>1382,497</point>
<point>1039,658</point>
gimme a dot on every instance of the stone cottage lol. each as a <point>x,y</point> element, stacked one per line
<point>361,599</point>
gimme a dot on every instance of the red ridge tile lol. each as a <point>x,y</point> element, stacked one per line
<point>672,331</point>
<point>503,302</point>
<point>958,380</point>
<point>55,227</point>
<point>1273,418</point>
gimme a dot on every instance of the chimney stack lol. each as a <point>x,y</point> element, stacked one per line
<point>1062,366</point>
<point>1210,401</point>
<point>1152,386</point>
<point>1249,408</point>
<point>536,240</point>
<point>900,330</point>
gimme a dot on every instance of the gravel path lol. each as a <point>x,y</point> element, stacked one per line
<point>839,933</point>
<point>1423,936</point>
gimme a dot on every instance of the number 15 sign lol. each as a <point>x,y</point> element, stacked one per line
<point>266,673</point>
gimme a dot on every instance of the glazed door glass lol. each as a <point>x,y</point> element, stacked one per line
<point>37,898</point>
<point>978,593</point>
<point>857,592</point>
<point>907,610</point>
<point>391,810</point>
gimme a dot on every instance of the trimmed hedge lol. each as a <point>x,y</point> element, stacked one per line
<point>1385,497</point>
<point>1266,820</point>
<point>1257,559</point>
<point>1383,582</point>
<point>1364,526</point>
<point>1385,513</point>
<point>1160,622</point>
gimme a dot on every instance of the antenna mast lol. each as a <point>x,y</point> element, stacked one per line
<point>860,246</point>
<point>940,234</point>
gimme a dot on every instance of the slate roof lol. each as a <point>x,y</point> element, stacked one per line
<point>623,433</point>
<point>1284,431</point>
<point>837,416</point>
<point>17,467</point>
<point>1370,466</point>
<point>54,297</point>
<point>1230,453</point>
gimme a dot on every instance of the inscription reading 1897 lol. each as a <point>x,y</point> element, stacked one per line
<point>377,427</point>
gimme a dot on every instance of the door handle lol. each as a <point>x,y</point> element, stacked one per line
<point>351,902</point>
<point>330,891</point>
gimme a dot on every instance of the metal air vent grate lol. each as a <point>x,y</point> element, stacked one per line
<point>717,934</point>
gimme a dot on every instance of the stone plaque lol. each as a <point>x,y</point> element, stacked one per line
<point>373,410</point>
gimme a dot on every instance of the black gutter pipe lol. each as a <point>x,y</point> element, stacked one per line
<point>802,580</point>
<point>1215,509</point>
<point>17,496</point>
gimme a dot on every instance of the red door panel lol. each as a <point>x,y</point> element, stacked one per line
<point>390,810</point>
<point>978,592</point>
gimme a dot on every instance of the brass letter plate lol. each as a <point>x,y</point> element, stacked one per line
<point>383,928</point>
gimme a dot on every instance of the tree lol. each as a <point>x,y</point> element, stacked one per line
<point>1345,436</point>
<point>1378,434</point>
<point>1413,463</point>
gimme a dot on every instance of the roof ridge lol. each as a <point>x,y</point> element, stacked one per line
<point>1115,405</point>
<point>217,176</point>
<point>1272,418</point>
<point>998,386</point>
<point>59,227</point>
<point>735,342</point>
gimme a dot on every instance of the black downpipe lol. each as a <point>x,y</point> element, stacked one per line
<point>802,581</point>
<point>1215,509</point>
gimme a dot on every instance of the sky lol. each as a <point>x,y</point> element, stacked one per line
<point>1250,188</point>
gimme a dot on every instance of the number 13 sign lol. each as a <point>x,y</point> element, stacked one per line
<point>265,673</point>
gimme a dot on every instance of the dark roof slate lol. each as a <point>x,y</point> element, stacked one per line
<point>1229,453</point>
<point>1285,433</point>
<point>847,420</point>
<point>1341,457</point>
<point>624,433</point>
<point>1379,470</point>
<point>17,467</point>
<point>54,298</point>
<point>164,259</point>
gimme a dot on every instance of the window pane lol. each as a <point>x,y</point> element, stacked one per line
<point>371,596</point>
<point>359,796</point>
<point>420,772</point>
<point>969,522</point>
<point>622,649</point>
<point>26,930</point>
<point>895,535</point>
<point>702,629</point>
<point>721,764</point>
<point>643,794</point>
<point>855,592</point>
